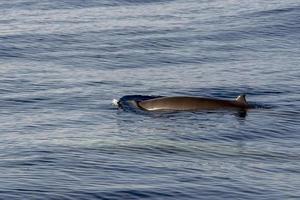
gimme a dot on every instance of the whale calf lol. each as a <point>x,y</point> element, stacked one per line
<point>185,103</point>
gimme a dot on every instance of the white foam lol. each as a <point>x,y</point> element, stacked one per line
<point>115,102</point>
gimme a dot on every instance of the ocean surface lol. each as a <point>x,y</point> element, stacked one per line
<point>62,63</point>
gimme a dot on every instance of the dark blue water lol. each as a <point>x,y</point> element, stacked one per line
<point>62,63</point>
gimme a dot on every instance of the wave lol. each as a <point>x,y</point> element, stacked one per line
<point>71,4</point>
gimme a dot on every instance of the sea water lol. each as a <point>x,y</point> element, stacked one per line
<point>62,63</point>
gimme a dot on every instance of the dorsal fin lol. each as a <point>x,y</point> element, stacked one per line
<point>241,99</point>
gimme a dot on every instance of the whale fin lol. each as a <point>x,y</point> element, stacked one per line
<point>241,99</point>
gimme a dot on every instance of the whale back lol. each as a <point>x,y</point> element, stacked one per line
<point>192,103</point>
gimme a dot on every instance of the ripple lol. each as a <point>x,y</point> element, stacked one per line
<point>62,62</point>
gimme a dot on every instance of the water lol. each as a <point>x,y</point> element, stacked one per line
<point>62,63</point>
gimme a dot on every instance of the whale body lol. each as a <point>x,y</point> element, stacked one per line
<point>185,103</point>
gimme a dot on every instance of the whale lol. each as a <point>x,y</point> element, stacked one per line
<point>190,103</point>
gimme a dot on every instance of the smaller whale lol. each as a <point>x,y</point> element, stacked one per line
<point>185,103</point>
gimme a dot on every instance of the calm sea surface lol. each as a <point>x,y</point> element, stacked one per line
<point>62,63</point>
